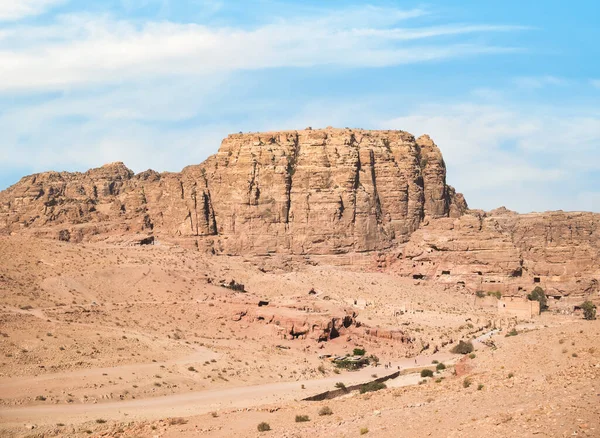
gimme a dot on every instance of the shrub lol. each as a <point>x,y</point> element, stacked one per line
<point>440,367</point>
<point>359,352</point>
<point>263,427</point>
<point>325,410</point>
<point>426,373</point>
<point>496,294</point>
<point>480,294</point>
<point>340,385</point>
<point>479,387</point>
<point>434,361</point>
<point>192,369</point>
<point>472,356</point>
<point>589,310</point>
<point>467,382</point>
<point>321,369</point>
<point>100,421</point>
<point>463,348</point>
<point>538,294</point>
<point>511,375</point>
<point>372,387</point>
<point>40,398</point>
<point>513,332</point>
<point>302,418</point>
<point>364,430</point>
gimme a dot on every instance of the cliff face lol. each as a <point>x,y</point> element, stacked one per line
<point>330,191</point>
<point>508,252</point>
<point>304,192</point>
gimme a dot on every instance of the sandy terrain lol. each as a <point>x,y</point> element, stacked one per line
<point>108,340</point>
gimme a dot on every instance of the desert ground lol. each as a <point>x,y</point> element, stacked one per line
<point>100,339</point>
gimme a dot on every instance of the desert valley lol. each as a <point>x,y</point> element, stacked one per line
<point>312,283</point>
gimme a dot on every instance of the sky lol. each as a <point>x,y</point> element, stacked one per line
<point>510,91</point>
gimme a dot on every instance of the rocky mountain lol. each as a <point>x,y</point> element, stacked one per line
<point>318,192</point>
<point>303,192</point>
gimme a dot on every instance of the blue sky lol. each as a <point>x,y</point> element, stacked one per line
<point>509,90</point>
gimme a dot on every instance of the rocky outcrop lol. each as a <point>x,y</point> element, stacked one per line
<point>507,252</point>
<point>317,192</point>
<point>303,192</point>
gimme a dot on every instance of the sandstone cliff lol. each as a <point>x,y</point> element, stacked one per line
<point>304,192</point>
<point>311,192</point>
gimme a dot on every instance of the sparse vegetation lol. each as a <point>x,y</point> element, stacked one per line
<point>480,294</point>
<point>440,367</point>
<point>589,310</point>
<point>372,387</point>
<point>472,356</point>
<point>263,427</point>
<point>177,421</point>
<point>325,410</point>
<point>463,347</point>
<point>340,385</point>
<point>426,373</point>
<point>364,430</point>
<point>538,294</point>
<point>100,421</point>
<point>467,382</point>
<point>359,352</point>
<point>302,418</point>
<point>513,332</point>
<point>479,387</point>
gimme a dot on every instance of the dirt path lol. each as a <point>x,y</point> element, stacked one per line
<point>198,402</point>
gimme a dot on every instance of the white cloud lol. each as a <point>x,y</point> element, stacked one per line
<point>536,82</point>
<point>11,10</point>
<point>81,50</point>
<point>522,157</point>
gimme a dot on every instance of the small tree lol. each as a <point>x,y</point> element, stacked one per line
<point>463,348</point>
<point>589,310</point>
<point>426,373</point>
<point>359,352</point>
<point>263,427</point>
<point>538,294</point>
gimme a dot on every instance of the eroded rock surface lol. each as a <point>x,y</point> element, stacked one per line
<point>318,192</point>
<point>304,192</point>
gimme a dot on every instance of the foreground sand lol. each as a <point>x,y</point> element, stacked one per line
<point>101,340</point>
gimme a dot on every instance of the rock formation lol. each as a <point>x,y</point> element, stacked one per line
<point>303,192</point>
<point>317,192</point>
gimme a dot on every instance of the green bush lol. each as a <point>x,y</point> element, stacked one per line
<point>589,310</point>
<point>426,373</point>
<point>325,410</point>
<point>372,387</point>
<point>480,294</point>
<point>302,418</point>
<point>440,367</point>
<point>538,294</point>
<point>513,332</point>
<point>463,348</point>
<point>263,427</point>
<point>340,385</point>
<point>359,352</point>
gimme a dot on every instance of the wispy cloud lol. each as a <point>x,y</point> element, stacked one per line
<point>515,155</point>
<point>11,10</point>
<point>81,50</point>
<point>536,82</point>
<point>595,83</point>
